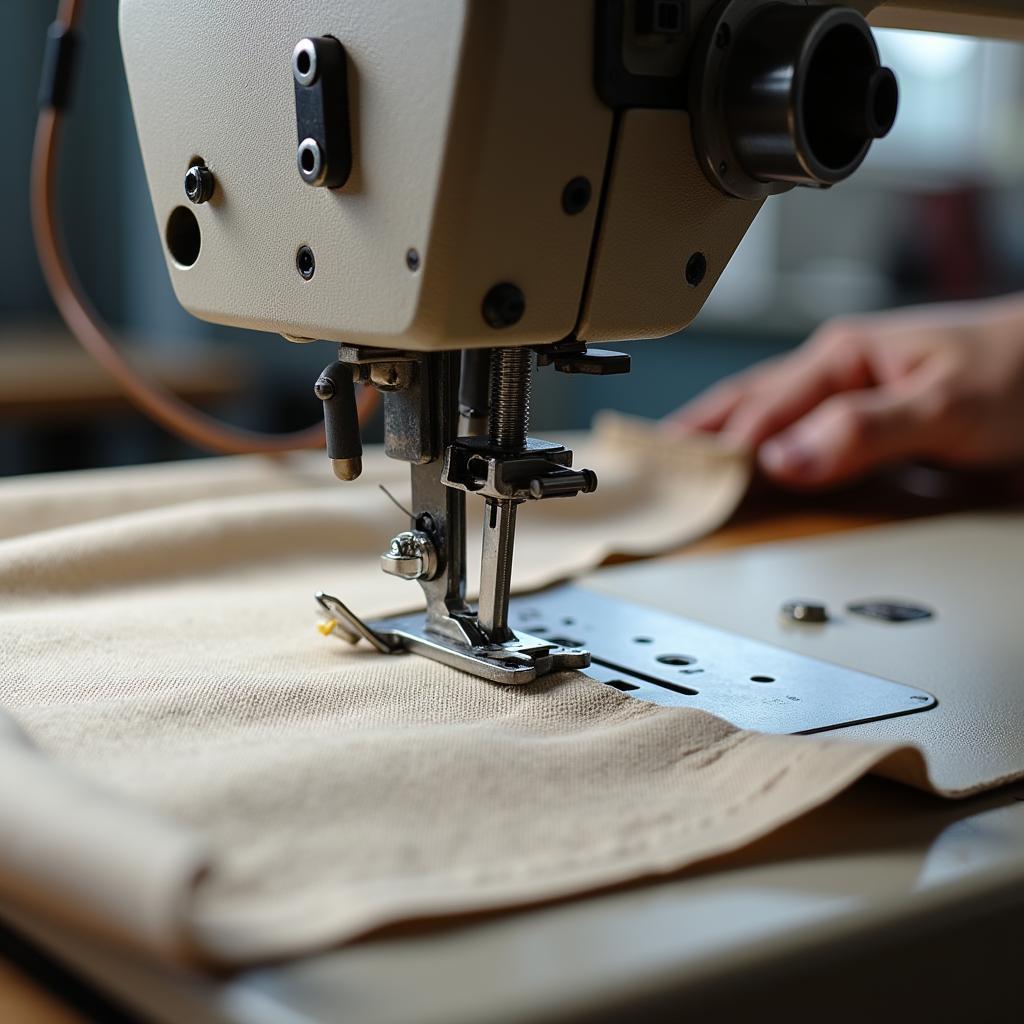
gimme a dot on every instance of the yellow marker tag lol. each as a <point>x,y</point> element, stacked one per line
<point>327,627</point>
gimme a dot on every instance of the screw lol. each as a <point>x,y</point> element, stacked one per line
<point>805,611</point>
<point>504,305</point>
<point>696,269</point>
<point>199,184</point>
<point>324,389</point>
<point>576,196</point>
<point>305,262</point>
<point>412,260</point>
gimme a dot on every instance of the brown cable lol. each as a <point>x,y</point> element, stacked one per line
<point>86,325</point>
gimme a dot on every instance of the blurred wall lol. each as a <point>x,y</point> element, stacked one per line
<point>937,213</point>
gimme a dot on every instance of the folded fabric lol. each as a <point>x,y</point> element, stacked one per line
<point>187,766</point>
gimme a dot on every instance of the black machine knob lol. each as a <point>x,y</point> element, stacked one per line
<point>789,94</point>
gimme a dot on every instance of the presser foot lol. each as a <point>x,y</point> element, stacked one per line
<point>515,662</point>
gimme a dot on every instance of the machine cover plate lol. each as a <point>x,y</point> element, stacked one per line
<point>659,657</point>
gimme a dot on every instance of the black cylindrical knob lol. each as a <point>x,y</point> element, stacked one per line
<point>805,95</point>
<point>336,389</point>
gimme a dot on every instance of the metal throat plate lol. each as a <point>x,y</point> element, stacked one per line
<point>662,658</point>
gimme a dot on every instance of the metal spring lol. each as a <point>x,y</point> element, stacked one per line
<point>508,422</point>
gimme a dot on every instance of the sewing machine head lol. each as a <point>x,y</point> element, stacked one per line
<point>501,178</point>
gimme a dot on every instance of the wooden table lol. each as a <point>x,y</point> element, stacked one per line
<point>764,517</point>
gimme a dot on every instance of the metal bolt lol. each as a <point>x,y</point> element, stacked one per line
<point>199,184</point>
<point>412,260</point>
<point>324,389</point>
<point>805,611</point>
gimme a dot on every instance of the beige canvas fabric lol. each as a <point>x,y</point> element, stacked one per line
<point>186,765</point>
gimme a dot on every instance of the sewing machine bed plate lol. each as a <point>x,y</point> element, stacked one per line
<point>665,659</point>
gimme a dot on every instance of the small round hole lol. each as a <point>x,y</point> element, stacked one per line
<point>696,269</point>
<point>676,659</point>
<point>576,196</point>
<point>305,262</point>
<point>302,62</point>
<point>762,679</point>
<point>308,160</point>
<point>183,236</point>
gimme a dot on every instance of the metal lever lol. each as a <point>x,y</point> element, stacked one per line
<point>336,388</point>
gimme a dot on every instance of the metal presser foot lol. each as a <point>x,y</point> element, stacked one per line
<point>504,466</point>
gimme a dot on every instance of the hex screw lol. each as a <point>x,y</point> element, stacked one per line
<point>199,184</point>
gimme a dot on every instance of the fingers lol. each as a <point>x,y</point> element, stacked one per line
<point>849,434</point>
<point>751,407</point>
<point>710,411</point>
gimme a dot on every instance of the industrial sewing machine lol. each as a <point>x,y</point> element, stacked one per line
<point>451,191</point>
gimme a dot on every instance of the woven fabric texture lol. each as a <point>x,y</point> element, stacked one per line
<point>187,766</point>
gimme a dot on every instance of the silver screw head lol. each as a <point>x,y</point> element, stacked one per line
<point>411,556</point>
<point>324,389</point>
<point>800,610</point>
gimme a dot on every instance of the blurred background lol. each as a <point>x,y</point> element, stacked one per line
<point>937,213</point>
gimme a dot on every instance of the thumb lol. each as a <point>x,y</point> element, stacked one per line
<point>848,435</point>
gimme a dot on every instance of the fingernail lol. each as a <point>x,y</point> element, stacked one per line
<point>786,458</point>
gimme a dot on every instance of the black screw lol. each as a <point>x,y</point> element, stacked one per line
<point>576,195</point>
<point>305,261</point>
<point>426,522</point>
<point>696,269</point>
<point>504,305</point>
<point>199,184</point>
<point>412,260</point>
<point>723,36</point>
<point>723,168</point>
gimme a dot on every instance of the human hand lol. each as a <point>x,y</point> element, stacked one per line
<point>945,383</point>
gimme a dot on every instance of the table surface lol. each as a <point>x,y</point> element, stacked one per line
<point>764,517</point>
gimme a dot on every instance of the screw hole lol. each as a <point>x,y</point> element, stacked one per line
<point>696,269</point>
<point>675,659</point>
<point>643,640</point>
<point>305,262</point>
<point>576,196</point>
<point>302,62</point>
<point>308,160</point>
<point>183,237</point>
<point>762,679</point>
